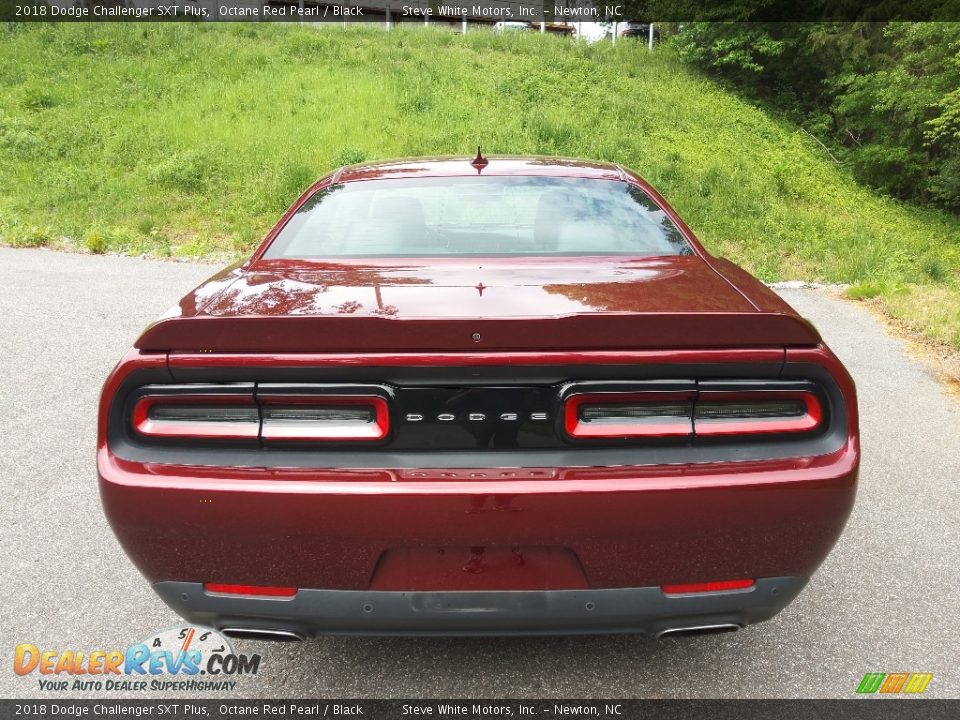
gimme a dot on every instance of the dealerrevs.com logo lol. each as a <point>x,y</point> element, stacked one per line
<point>180,659</point>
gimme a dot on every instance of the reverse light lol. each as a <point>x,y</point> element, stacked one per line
<point>260,590</point>
<point>707,587</point>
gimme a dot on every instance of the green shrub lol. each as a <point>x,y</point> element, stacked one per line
<point>32,237</point>
<point>19,141</point>
<point>96,243</point>
<point>188,172</point>
<point>36,98</point>
<point>348,156</point>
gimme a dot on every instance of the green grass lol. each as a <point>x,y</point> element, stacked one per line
<point>191,139</point>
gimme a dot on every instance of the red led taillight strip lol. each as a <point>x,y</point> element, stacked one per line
<point>319,417</point>
<point>719,412</point>
<point>226,417</point>
<point>326,418</point>
<point>628,415</point>
<point>704,413</point>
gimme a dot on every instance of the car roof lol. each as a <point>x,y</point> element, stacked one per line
<point>497,165</point>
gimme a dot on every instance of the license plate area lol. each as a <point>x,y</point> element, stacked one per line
<point>478,568</point>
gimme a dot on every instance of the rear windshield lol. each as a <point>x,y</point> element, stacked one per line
<point>465,216</point>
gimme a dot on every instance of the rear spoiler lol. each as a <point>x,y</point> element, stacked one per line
<point>612,331</point>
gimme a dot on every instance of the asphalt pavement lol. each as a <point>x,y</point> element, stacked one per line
<point>885,600</point>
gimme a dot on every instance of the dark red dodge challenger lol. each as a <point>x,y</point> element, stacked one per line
<point>503,396</point>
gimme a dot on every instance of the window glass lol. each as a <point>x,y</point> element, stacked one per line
<point>478,216</point>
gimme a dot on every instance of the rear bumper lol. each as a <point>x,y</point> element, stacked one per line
<point>395,530</point>
<point>622,610</point>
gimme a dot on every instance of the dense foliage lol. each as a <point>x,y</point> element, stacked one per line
<point>883,98</point>
<point>191,139</point>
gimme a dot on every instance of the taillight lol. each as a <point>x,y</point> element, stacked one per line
<point>750,412</point>
<point>233,417</point>
<point>674,409</point>
<point>629,415</point>
<point>707,587</point>
<point>267,412</point>
<point>343,418</point>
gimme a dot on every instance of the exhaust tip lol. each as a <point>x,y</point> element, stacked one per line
<point>688,630</point>
<point>242,633</point>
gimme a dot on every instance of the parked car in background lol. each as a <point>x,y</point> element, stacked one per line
<point>636,29</point>
<point>454,396</point>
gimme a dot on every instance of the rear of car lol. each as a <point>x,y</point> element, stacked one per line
<point>442,400</point>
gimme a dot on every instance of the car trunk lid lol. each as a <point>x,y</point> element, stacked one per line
<point>471,304</point>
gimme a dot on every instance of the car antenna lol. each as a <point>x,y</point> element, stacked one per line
<point>479,162</point>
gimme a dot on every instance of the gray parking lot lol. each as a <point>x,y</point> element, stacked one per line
<point>886,600</point>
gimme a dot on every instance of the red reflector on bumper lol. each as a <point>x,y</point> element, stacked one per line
<point>265,590</point>
<point>716,586</point>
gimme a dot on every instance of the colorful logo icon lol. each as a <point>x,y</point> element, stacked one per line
<point>894,683</point>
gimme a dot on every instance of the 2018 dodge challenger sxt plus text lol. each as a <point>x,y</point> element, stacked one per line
<point>446,396</point>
